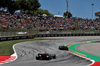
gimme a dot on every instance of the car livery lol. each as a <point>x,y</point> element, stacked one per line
<point>45,56</point>
<point>64,47</point>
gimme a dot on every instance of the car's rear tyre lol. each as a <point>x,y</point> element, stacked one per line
<point>60,48</point>
<point>54,57</point>
<point>67,49</point>
<point>37,58</point>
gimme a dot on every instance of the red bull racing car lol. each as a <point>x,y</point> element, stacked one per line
<point>45,56</point>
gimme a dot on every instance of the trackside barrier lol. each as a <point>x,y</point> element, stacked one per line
<point>16,37</point>
<point>44,35</point>
<point>62,35</point>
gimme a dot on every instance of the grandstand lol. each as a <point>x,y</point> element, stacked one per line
<point>35,25</point>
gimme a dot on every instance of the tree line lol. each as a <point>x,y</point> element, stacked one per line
<point>13,5</point>
<point>26,6</point>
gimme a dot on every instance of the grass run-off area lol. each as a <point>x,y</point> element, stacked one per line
<point>6,46</point>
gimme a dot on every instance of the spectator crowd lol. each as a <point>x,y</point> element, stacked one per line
<point>45,23</point>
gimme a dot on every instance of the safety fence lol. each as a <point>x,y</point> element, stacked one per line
<point>68,33</point>
<point>64,35</point>
<point>4,36</point>
<point>16,37</point>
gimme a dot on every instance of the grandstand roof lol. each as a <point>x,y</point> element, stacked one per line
<point>58,16</point>
<point>97,14</point>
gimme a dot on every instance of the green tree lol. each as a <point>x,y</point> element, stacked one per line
<point>30,5</point>
<point>4,3</point>
<point>67,14</point>
<point>1,3</point>
<point>13,5</point>
<point>33,4</point>
<point>41,12</point>
<point>22,4</point>
<point>9,4</point>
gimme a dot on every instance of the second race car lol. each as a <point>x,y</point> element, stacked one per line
<point>64,47</point>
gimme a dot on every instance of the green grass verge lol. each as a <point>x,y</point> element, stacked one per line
<point>6,46</point>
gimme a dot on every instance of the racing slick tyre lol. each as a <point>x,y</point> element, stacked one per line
<point>37,58</point>
<point>60,48</point>
<point>54,57</point>
<point>48,58</point>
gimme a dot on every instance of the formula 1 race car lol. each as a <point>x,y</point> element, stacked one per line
<point>45,56</point>
<point>64,47</point>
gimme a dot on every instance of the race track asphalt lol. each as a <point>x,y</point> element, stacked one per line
<point>93,49</point>
<point>27,52</point>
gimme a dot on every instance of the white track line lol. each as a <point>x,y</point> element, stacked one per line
<point>15,54</point>
<point>12,56</point>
